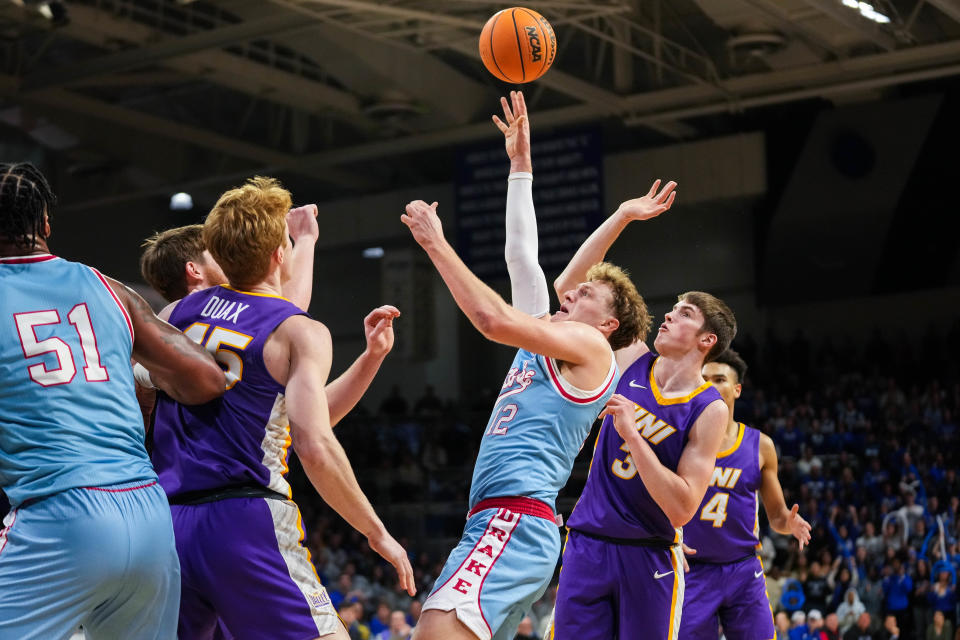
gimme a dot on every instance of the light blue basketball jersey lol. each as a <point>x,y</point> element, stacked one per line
<point>68,413</point>
<point>538,425</point>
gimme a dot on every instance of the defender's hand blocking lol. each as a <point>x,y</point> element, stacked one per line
<point>391,551</point>
<point>650,205</point>
<point>516,131</point>
<point>799,527</point>
<point>378,329</point>
<point>423,222</point>
<point>302,223</point>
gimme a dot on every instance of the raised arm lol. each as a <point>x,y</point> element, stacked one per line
<point>782,520</point>
<point>179,366</point>
<point>345,392</point>
<point>528,284</point>
<point>677,494</point>
<point>323,459</point>
<point>302,224</point>
<point>572,342</point>
<point>595,247</point>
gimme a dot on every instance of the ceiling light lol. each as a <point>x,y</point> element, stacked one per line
<point>181,202</point>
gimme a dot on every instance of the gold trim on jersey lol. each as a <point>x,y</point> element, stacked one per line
<point>667,401</point>
<point>254,293</point>
<point>736,444</point>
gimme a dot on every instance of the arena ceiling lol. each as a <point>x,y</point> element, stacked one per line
<point>141,97</point>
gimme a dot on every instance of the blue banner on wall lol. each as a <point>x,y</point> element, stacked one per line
<point>567,194</point>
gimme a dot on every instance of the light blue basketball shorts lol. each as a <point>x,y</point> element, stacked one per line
<point>99,557</point>
<point>502,565</point>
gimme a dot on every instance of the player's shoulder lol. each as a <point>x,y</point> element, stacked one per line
<point>304,332</point>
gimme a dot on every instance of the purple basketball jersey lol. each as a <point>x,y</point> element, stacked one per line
<point>242,437</point>
<point>726,526</point>
<point>614,502</point>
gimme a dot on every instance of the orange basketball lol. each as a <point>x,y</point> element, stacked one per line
<point>517,45</point>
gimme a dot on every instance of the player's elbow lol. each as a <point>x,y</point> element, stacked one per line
<point>490,322</point>
<point>682,512</point>
<point>313,453</point>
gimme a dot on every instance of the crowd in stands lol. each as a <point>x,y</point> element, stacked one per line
<point>868,441</point>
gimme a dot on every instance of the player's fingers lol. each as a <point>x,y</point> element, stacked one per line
<point>500,125</point>
<point>434,205</point>
<point>794,509</point>
<point>654,187</point>
<point>390,309</point>
<point>666,191</point>
<point>507,113</point>
<point>669,202</point>
<point>522,102</point>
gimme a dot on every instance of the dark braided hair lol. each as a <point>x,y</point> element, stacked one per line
<point>25,196</point>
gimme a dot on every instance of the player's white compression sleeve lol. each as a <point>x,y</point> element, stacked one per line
<point>528,285</point>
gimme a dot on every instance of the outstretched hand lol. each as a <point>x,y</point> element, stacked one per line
<point>650,205</point>
<point>302,223</point>
<point>423,222</point>
<point>391,551</point>
<point>799,527</point>
<point>516,131</point>
<point>378,329</point>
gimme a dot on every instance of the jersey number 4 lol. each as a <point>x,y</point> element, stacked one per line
<point>716,509</point>
<point>79,318</point>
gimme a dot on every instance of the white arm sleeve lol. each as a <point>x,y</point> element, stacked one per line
<point>528,285</point>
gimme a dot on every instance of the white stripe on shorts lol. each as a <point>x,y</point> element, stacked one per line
<point>288,528</point>
<point>461,592</point>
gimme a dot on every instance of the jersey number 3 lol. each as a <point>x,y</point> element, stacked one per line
<point>79,318</point>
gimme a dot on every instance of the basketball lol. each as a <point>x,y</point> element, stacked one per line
<point>517,45</point>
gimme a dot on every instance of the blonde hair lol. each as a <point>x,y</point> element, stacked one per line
<point>627,305</point>
<point>245,227</point>
<point>165,256</point>
<point>718,319</point>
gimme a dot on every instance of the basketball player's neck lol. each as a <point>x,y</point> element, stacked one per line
<point>730,437</point>
<point>679,374</point>
<point>271,285</point>
<point>10,249</point>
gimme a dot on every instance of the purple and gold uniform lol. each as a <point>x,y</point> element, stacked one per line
<point>726,584</point>
<point>223,466</point>
<point>622,573</point>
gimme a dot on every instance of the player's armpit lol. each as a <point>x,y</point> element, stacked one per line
<point>179,366</point>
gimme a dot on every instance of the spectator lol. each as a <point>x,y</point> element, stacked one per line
<point>941,629</point>
<point>861,630</point>
<point>397,629</point>
<point>831,628</point>
<point>814,625</point>
<point>782,624</point>
<point>525,630</point>
<point>429,405</point>
<point>891,630</point>
<point>381,620</point>
<point>850,610</point>
<point>897,586</point>
<point>943,595</point>
<point>350,613</point>
<point>798,625</point>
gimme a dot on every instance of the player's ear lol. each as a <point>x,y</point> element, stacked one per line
<point>707,340</point>
<point>737,390</point>
<point>192,272</point>
<point>46,225</point>
<point>610,325</point>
